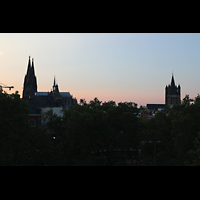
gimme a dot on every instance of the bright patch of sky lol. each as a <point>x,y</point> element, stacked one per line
<point>111,66</point>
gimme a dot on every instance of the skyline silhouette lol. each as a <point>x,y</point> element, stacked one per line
<point>120,67</point>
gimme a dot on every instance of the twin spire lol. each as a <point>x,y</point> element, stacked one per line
<point>30,82</point>
<point>30,67</point>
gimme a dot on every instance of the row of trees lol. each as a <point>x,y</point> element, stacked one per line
<point>95,133</point>
<point>175,133</point>
<point>99,133</point>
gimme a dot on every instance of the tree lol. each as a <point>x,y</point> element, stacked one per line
<point>194,153</point>
<point>94,131</point>
<point>13,126</point>
<point>177,129</point>
<point>21,144</point>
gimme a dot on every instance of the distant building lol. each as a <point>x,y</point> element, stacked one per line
<point>54,98</point>
<point>172,94</point>
<point>155,107</point>
<point>142,112</point>
<point>30,82</point>
<point>152,109</point>
<point>143,115</point>
<point>39,102</point>
<point>172,97</point>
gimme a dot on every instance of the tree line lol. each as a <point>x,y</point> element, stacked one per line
<point>100,134</point>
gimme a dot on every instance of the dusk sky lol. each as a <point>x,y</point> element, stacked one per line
<point>111,66</point>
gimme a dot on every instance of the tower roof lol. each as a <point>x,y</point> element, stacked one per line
<point>29,65</point>
<point>172,81</point>
<point>33,67</point>
<point>54,82</point>
<point>33,70</point>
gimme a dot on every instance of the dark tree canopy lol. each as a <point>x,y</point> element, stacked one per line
<point>99,133</point>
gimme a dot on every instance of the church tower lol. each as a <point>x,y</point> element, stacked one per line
<point>172,93</point>
<point>30,82</point>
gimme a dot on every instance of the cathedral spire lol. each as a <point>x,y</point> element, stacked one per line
<point>33,67</point>
<point>54,82</point>
<point>29,65</point>
<point>30,82</point>
<point>172,81</point>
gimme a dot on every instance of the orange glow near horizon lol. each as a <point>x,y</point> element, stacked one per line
<point>107,95</point>
<point>110,66</point>
<point>139,98</point>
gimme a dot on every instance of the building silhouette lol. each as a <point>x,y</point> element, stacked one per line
<point>172,97</point>
<point>55,98</point>
<point>172,94</point>
<point>30,82</point>
<point>40,102</point>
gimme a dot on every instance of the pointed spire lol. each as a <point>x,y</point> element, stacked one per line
<point>54,82</point>
<point>33,67</point>
<point>29,65</point>
<point>172,81</point>
<point>30,82</point>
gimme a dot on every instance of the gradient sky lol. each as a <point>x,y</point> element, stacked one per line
<point>111,66</point>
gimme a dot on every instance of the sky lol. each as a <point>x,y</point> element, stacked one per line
<point>121,67</point>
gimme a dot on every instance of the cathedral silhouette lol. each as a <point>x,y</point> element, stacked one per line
<point>56,100</point>
<point>40,101</point>
<point>30,82</point>
<point>172,97</point>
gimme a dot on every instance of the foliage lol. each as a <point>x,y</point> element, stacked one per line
<point>99,133</point>
<point>95,130</point>
<point>21,144</point>
<point>178,130</point>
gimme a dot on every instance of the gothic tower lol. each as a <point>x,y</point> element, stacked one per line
<point>172,93</point>
<point>55,91</point>
<point>30,82</point>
